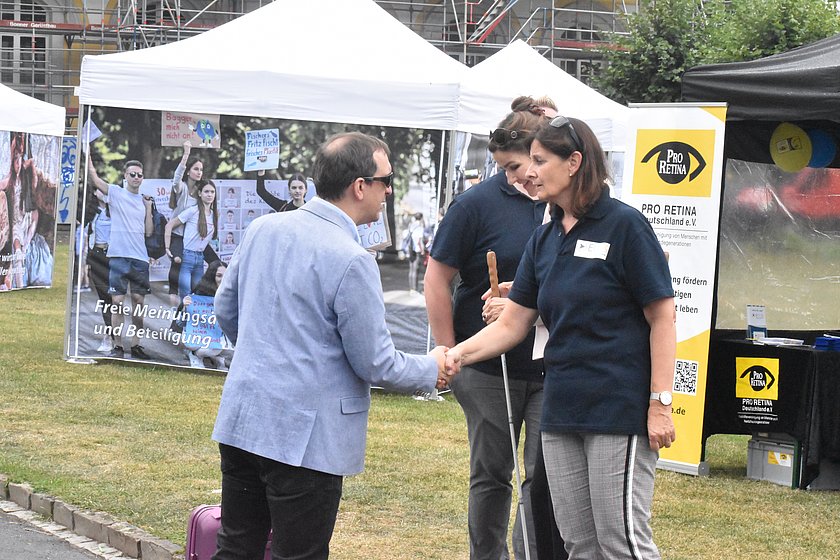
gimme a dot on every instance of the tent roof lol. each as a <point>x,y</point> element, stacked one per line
<point>799,85</point>
<point>22,113</point>
<point>488,88</point>
<point>317,60</point>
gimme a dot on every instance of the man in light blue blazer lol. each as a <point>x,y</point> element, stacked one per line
<point>302,301</point>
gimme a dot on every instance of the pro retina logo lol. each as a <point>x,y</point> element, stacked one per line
<point>674,161</point>
<point>760,378</point>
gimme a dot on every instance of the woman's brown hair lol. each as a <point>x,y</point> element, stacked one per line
<point>516,131</point>
<point>592,175</point>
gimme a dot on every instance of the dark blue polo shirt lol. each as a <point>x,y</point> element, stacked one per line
<point>492,215</point>
<point>590,287</point>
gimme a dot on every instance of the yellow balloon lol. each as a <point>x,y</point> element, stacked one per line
<point>790,147</point>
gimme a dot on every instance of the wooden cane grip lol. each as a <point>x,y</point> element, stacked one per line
<point>493,272</point>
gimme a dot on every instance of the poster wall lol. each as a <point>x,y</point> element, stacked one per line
<point>30,171</point>
<point>673,170</point>
<point>168,325</point>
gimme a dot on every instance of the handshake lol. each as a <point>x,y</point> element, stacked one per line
<point>448,362</point>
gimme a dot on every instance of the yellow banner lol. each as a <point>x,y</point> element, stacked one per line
<point>674,163</point>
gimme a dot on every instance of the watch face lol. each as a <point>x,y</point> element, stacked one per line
<point>665,398</point>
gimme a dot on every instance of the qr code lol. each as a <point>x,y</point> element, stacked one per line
<point>685,377</point>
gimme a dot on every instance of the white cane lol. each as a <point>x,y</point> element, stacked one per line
<point>494,291</point>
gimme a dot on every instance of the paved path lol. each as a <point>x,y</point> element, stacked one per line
<point>23,536</point>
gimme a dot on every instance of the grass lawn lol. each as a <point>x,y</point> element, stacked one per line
<point>135,442</point>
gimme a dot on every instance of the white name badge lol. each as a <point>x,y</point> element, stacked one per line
<point>592,249</point>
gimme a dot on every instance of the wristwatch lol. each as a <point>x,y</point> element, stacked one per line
<point>663,397</point>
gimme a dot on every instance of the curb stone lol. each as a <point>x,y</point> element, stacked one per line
<point>96,532</point>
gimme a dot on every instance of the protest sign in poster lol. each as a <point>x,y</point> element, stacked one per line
<point>67,187</point>
<point>376,236</point>
<point>673,170</point>
<point>202,131</point>
<point>262,149</point>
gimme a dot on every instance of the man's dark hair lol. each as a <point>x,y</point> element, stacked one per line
<point>132,162</point>
<point>342,159</point>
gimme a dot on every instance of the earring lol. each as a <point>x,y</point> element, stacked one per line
<point>571,174</point>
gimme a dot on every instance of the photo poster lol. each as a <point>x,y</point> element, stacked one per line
<point>238,206</point>
<point>262,149</point>
<point>674,166</point>
<point>202,131</point>
<point>30,179</point>
<point>67,187</point>
<point>132,134</point>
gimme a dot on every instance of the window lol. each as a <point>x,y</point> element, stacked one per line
<point>23,58</point>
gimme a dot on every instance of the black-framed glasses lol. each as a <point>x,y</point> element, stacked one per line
<point>385,179</point>
<point>559,122</point>
<point>502,136</point>
<point>135,174</point>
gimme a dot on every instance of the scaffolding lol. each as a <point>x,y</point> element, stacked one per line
<point>42,42</point>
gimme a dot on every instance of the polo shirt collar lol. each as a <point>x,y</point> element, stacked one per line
<point>596,212</point>
<point>332,213</point>
<point>506,187</point>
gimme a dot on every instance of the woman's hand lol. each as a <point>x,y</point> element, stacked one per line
<point>493,308</point>
<point>661,431</point>
<point>504,290</point>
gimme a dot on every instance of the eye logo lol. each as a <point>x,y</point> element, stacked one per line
<point>674,161</point>
<point>760,378</point>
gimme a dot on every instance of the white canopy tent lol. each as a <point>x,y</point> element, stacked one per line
<point>316,60</point>
<point>21,113</point>
<point>488,88</point>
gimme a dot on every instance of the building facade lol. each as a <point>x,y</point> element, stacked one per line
<point>42,42</point>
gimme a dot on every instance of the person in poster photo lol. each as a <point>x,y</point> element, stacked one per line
<point>231,198</point>
<point>297,193</point>
<point>185,184</point>
<point>131,223</point>
<point>201,223</point>
<point>230,223</point>
<point>10,187</point>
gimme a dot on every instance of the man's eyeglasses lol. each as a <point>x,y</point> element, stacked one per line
<point>502,136</point>
<point>135,174</point>
<point>559,122</point>
<point>385,179</point>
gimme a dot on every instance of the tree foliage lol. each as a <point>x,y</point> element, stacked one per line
<point>646,64</point>
<point>750,29</point>
<point>667,37</point>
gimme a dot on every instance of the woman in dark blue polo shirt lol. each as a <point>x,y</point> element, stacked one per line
<point>498,214</point>
<point>599,280</point>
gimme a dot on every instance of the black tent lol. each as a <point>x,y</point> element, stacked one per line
<point>801,86</point>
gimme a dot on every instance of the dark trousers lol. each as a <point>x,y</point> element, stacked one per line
<point>99,271</point>
<point>300,505</point>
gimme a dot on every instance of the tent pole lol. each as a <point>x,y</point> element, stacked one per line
<point>71,349</point>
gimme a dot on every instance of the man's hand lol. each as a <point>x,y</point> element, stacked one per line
<point>439,354</point>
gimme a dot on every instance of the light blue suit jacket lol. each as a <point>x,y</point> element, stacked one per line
<point>302,300</point>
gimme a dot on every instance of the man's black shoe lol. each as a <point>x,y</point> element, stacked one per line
<point>117,352</point>
<point>138,352</point>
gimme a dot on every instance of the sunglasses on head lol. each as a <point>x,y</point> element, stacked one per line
<point>502,136</point>
<point>559,122</point>
<point>385,179</point>
<point>135,174</point>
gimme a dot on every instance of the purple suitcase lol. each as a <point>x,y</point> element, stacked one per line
<point>202,528</point>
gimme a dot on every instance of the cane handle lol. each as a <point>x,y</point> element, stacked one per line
<point>493,272</point>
